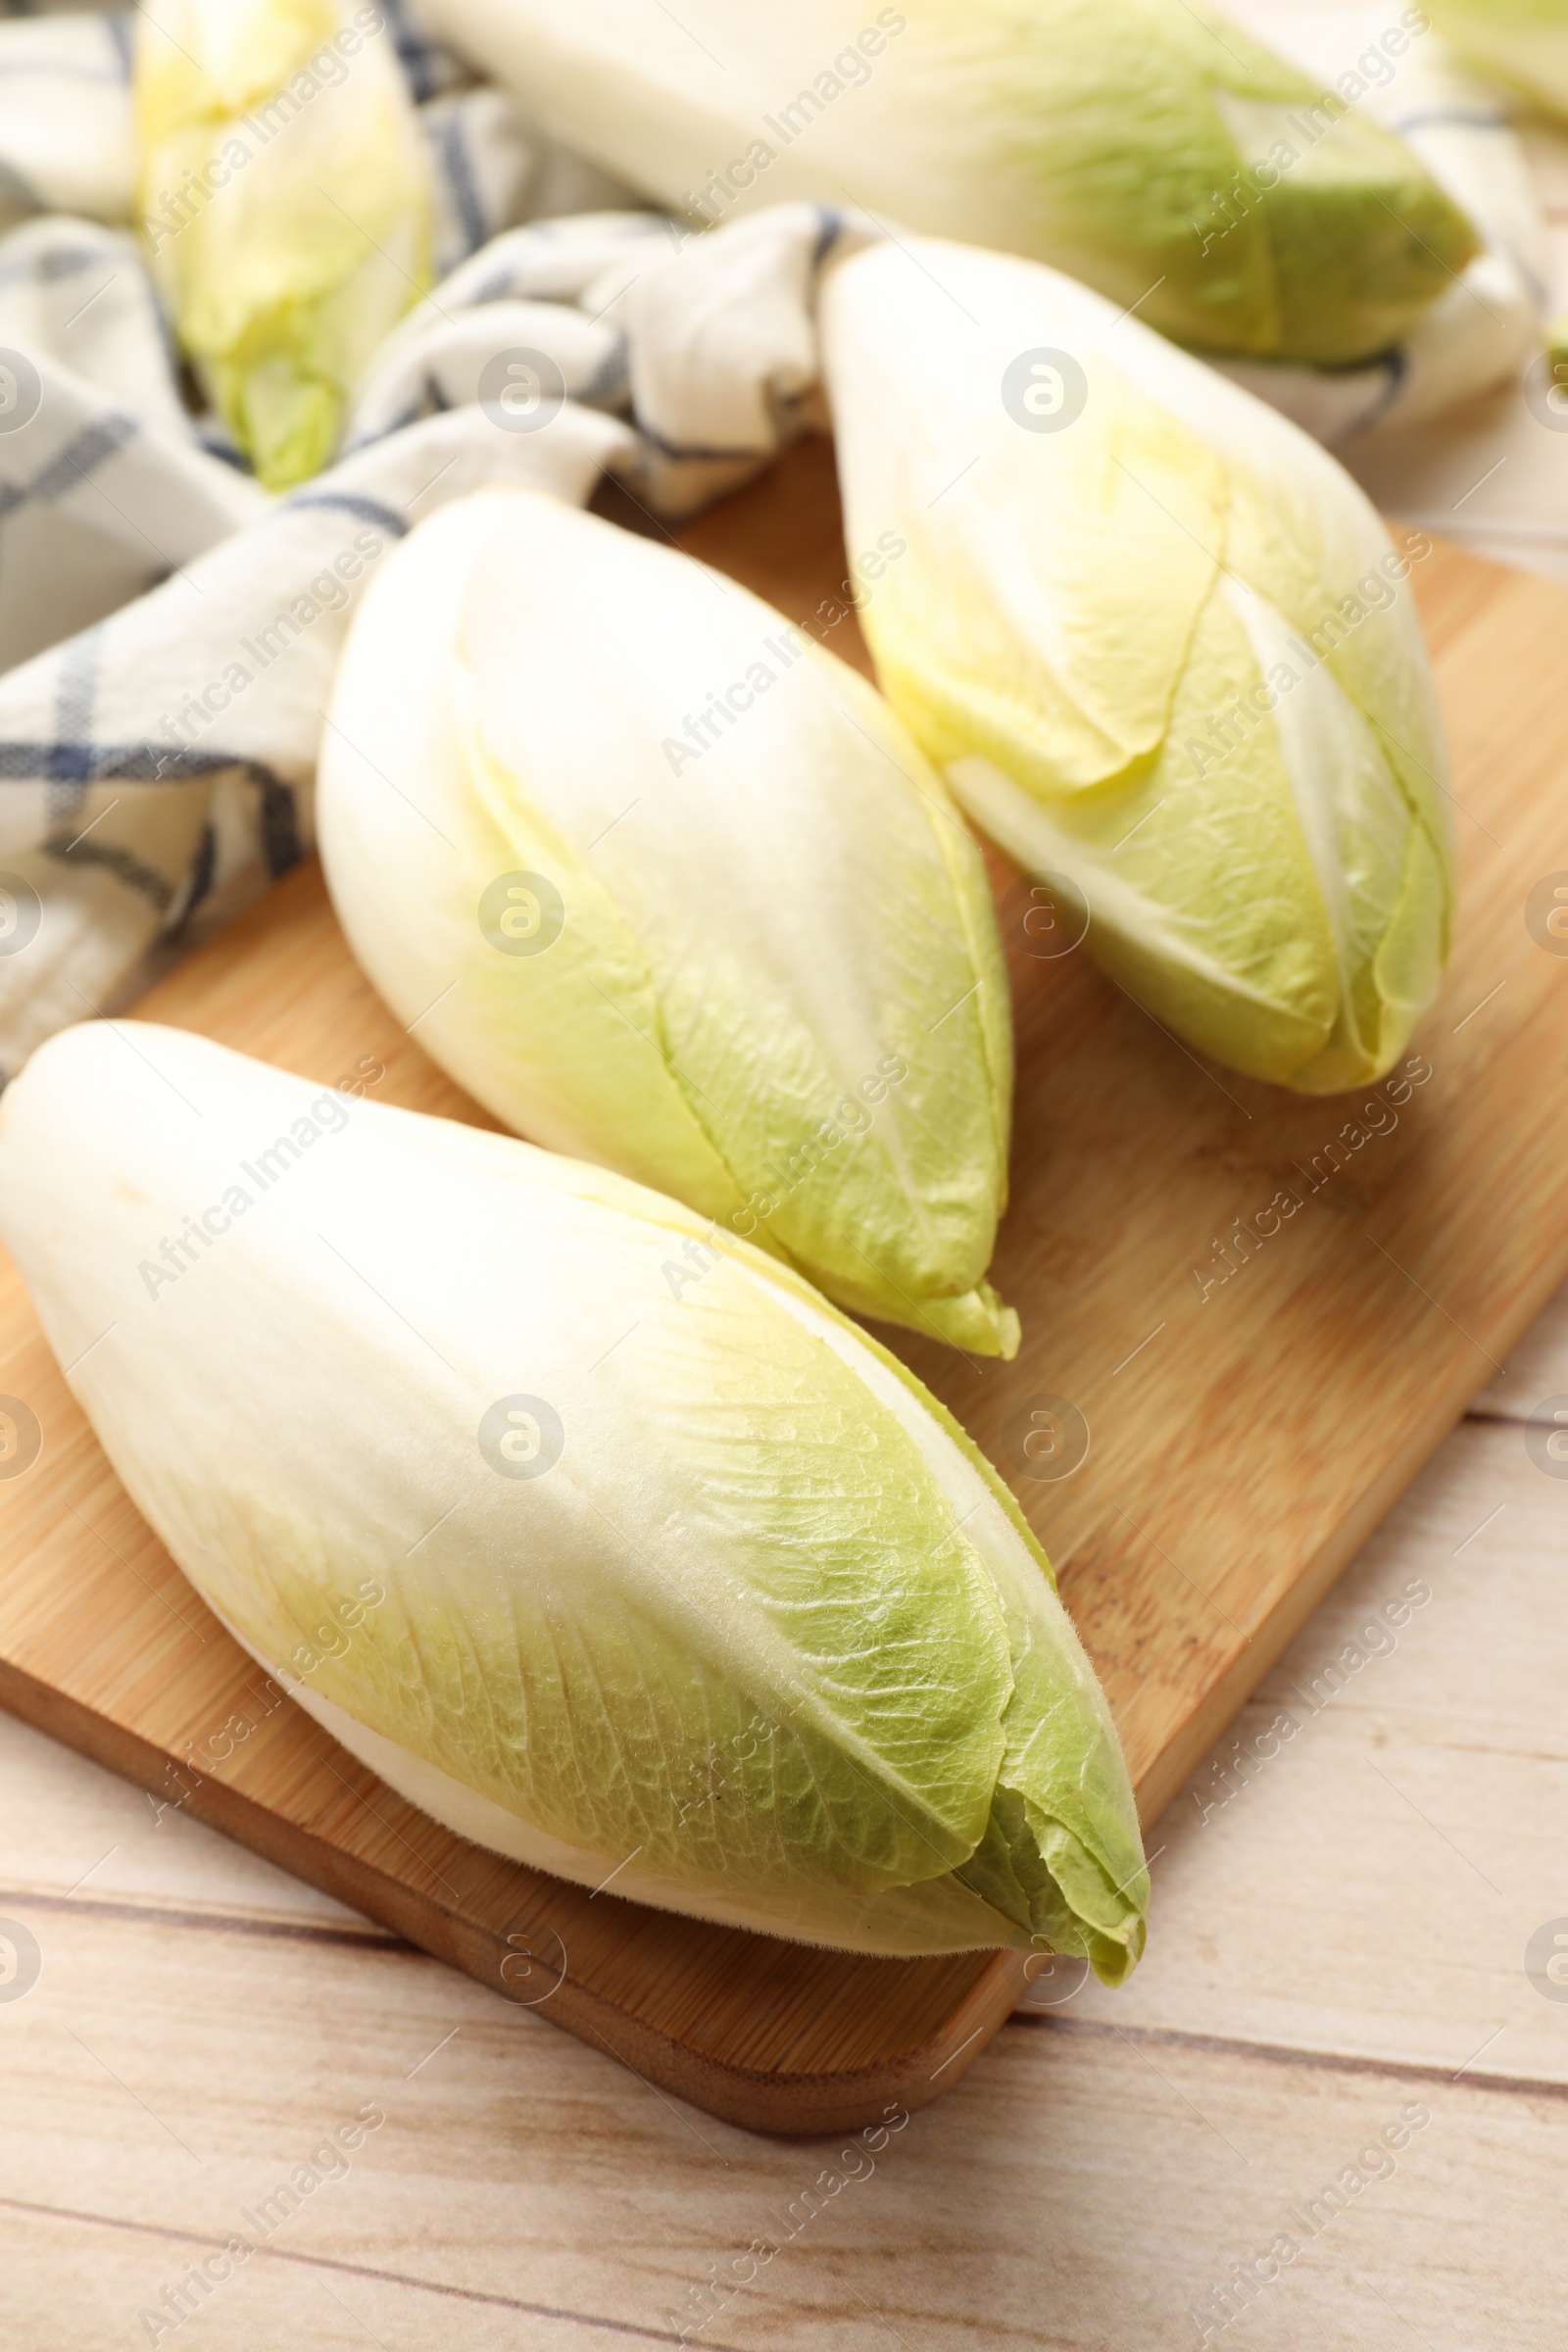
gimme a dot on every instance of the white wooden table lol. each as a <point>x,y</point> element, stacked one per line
<point>1339,1941</point>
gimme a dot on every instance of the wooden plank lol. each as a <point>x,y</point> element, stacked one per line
<point>1244,1442</point>
<point>1361,1863</point>
<point>72,1833</point>
<point>1536,1370</point>
<point>1084,2190</point>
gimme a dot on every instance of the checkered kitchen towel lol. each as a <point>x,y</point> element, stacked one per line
<point>105,485</point>
<point>67,142</point>
<point>119,482</point>
<point>169,751</point>
<point>161,761</point>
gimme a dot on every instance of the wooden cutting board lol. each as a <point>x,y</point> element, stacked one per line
<point>1250,1406</point>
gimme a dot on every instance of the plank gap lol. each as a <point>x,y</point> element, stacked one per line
<point>1280,2053</point>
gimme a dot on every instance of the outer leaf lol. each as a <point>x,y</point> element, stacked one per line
<point>285,207</point>
<point>1525,41</point>
<point>770,979</point>
<point>1149,147</point>
<point>1164,649</point>
<point>763,1637</point>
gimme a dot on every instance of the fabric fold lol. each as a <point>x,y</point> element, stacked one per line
<point>166,756</point>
